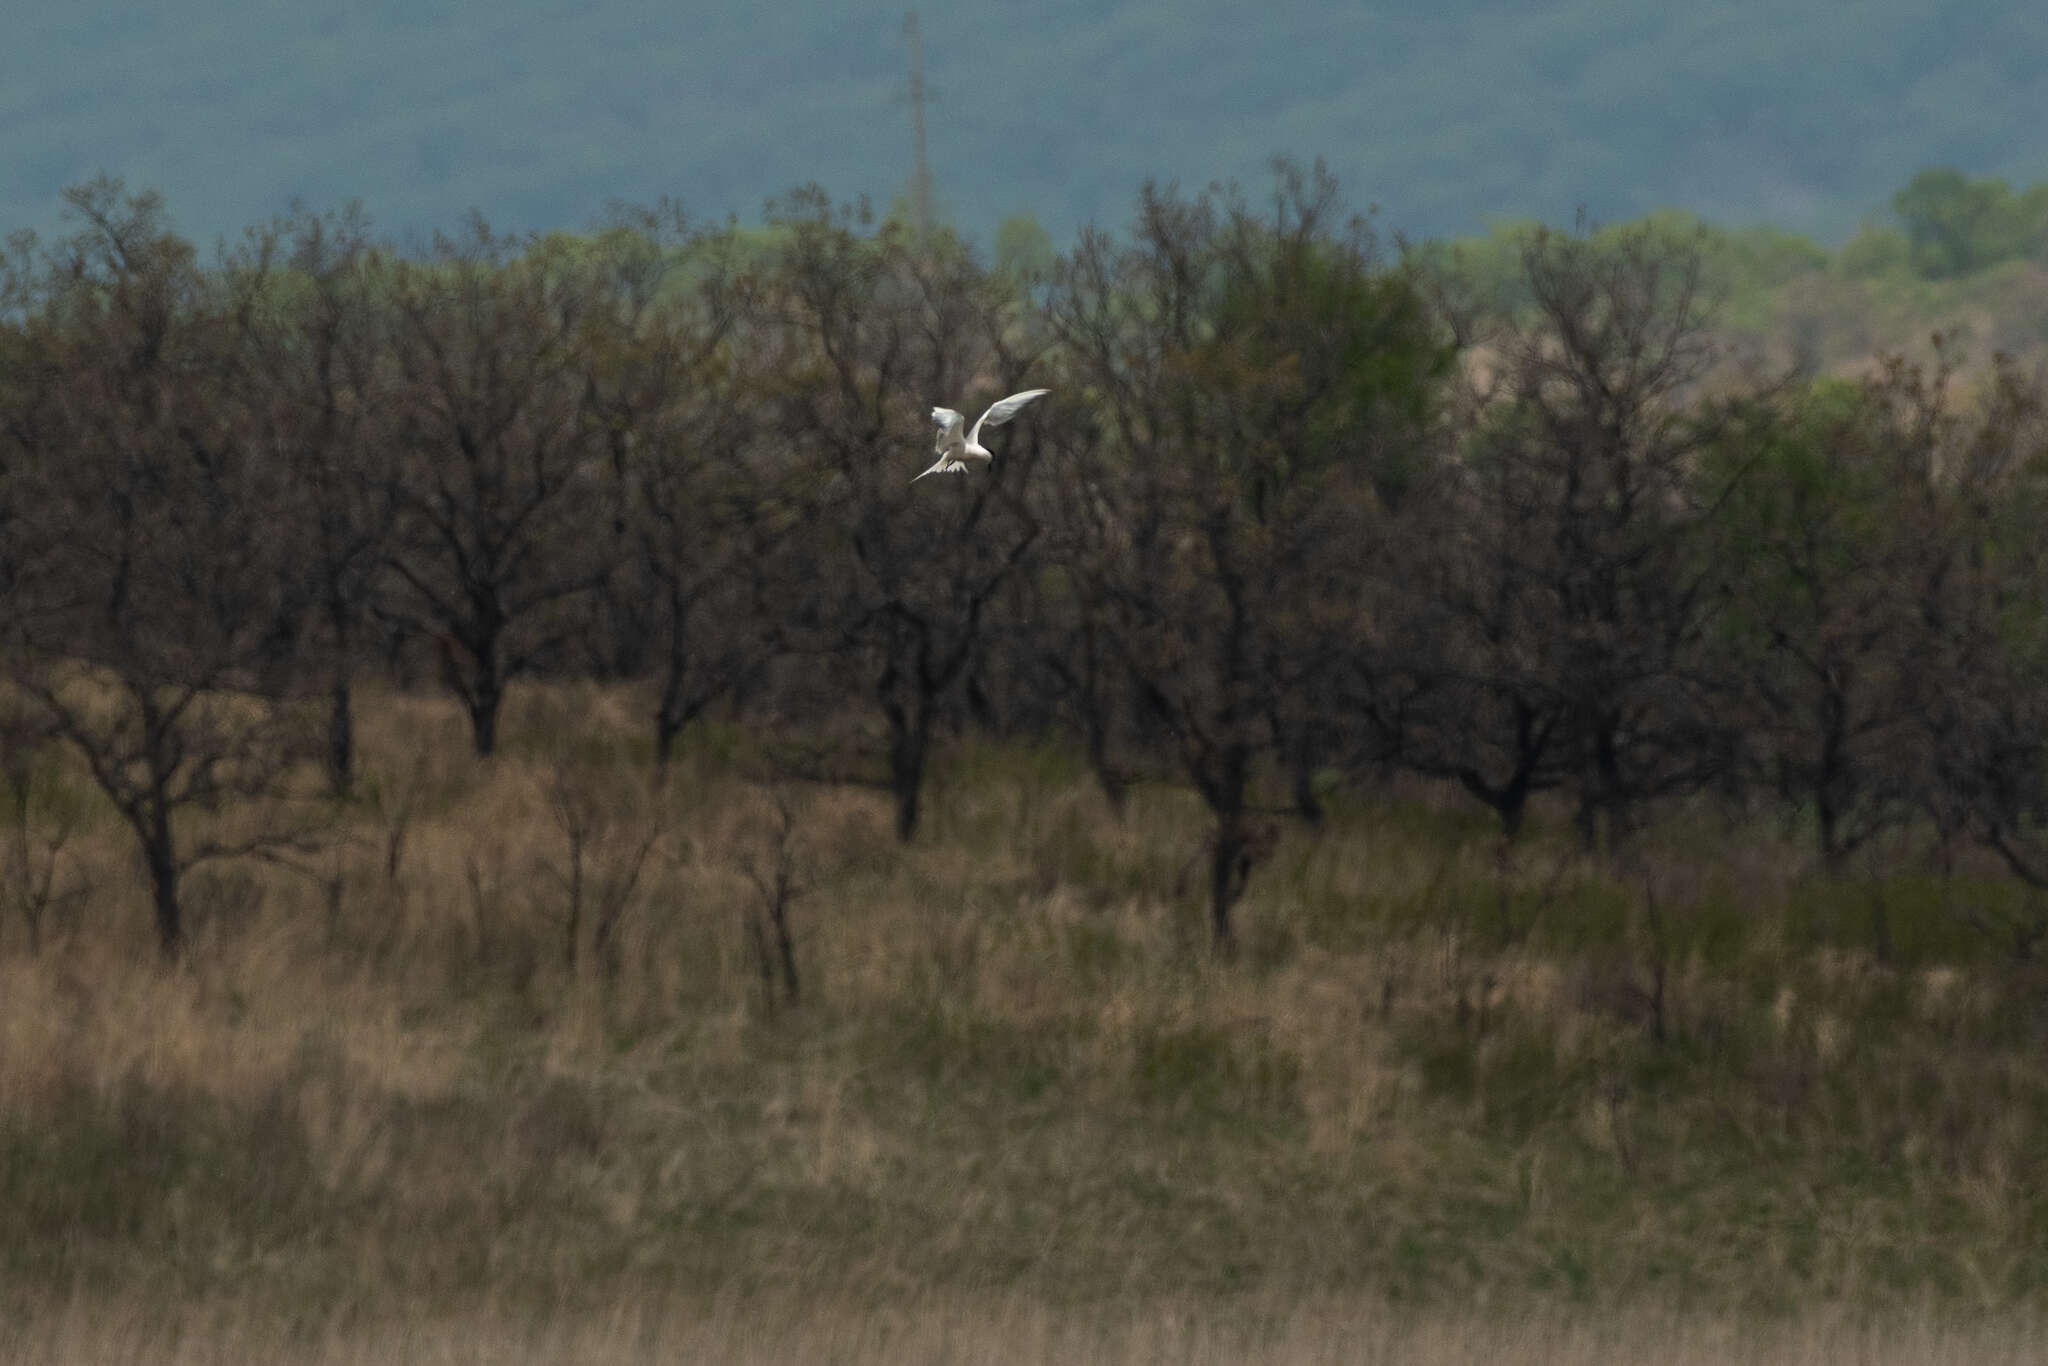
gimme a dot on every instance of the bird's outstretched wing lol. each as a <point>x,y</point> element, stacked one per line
<point>951,428</point>
<point>1001,411</point>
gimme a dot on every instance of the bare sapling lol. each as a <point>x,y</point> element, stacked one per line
<point>603,853</point>
<point>36,879</point>
<point>779,880</point>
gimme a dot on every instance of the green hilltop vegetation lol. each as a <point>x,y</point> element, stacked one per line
<point>1958,255</point>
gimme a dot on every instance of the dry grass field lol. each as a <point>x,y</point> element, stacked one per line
<point>1000,1333</point>
<point>399,1103</point>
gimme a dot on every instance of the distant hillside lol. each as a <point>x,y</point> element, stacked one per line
<point>1447,115</point>
<point>1961,256</point>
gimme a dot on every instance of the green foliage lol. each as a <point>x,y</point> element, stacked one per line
<point>1743,268</point>
<point>1740,267</point>
<point>1803,468</point>
<point>1482,272</point>
<point>1874,251</point>
<point>1890,287</point>
<point>1764,258</point>
<point>1956,225</point>
<point>1024,250</point>
<point>1307,362</point>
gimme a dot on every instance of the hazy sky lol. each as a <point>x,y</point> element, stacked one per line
<point>538,112</point>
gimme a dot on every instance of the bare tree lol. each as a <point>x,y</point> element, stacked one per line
<point>1831,533</point>
<point>604,851</point>
<point>147,581</point>
<point>900,579</point>
<point>779,882</point>
<point>1259,379</point>
<point>319,391</point>
<point>1060,643</point>
<point>675,384</point>
<point>1573,591</point>
<point>1978,675</point>
<point>501,485</point>
<point>37,879</point>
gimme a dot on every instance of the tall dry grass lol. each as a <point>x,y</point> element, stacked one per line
<point>1000,1333</point>
<point>393,1085</point>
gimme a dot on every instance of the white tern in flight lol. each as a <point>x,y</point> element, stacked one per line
<point>956,446</point>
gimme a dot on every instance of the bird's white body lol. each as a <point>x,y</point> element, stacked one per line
<point>957,445</point>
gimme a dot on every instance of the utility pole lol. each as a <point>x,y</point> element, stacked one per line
<point>921,175</point>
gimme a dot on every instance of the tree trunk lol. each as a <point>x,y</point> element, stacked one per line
<point>483,722</point>
<point>785,945</point>
<point>1880,924</point>
<point>1586,822</point>
<point>1603,817</point>
<point>159,854</point>
<point>1229,861</point>
<point>480,685</point>
<point>1307,804</point>
<point>1833,856</point>
<point>1095,720</point>
<point>1116,786</point>
<point>1513,807</point>
<point>670,714</point>
<point>341,720</point>
<point>341,734</point>
<point>1510,801</point>
<point>907,747</point>
<point>1113,782</point>
<point>1298,748</point>
<point>665,734</point>
<point>1226,882</point>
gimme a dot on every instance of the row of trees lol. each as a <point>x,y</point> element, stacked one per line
<point>1294,514</point>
